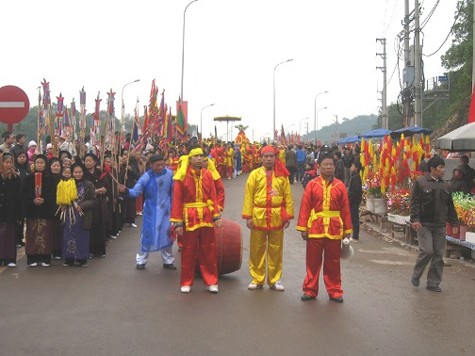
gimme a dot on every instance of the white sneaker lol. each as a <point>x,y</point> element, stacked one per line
<point>185,289</point>
<point>277,286</point>
<point>132,225</point>
<point>34,264</point>
<point>11,265</point>
<point>213,288</point>
<point>44,264</point>
<point>354,240</point>
<point>253,286</point>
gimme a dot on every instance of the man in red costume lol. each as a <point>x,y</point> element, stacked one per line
<point>324,219</point>
<point>194,213</point>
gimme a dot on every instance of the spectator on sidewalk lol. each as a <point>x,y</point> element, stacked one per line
<point>355,194</point>
<point>431,208</point>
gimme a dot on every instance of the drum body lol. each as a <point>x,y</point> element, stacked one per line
<point>228,247</point>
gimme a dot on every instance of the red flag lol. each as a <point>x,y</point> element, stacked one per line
<point>181,122</point>
<point>471,113</point>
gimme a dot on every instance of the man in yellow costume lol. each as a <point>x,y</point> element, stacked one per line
<point>268,208</point>
<point>229,154</point>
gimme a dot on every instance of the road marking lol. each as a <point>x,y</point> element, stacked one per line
<point>391,263</point>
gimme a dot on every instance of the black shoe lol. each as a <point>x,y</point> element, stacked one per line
<point>140,266</point>
<point>434,288</point>
<point>336,300</point>
<point>306,297</point>
<point>415,281</point>
<point>169,266</point>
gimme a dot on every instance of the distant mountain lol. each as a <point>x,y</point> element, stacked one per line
<point>347,127</point>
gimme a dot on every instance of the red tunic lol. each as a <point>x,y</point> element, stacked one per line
<point>195,201</point>
<point>325,210</point>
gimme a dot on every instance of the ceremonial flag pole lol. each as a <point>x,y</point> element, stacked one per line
<point>39,116</point>
<point>82,122</point>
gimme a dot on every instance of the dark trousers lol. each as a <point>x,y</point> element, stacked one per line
<point>292,174</point>
<point>355,220</point>
<point>432,245</point>
<point>300,171</point>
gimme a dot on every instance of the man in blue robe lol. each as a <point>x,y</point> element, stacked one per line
<point>156,185</point>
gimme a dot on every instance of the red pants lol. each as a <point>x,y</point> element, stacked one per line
<point>230,172</point>
<point>328,251</point>
<point>199,243</point>
<point>139,204</point>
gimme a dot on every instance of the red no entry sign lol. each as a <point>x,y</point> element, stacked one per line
<point>14,104</point>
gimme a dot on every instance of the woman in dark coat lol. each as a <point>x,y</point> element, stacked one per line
<point>77,230</point>
<point>133,174</point>
<point>22,169</point>
<point>55,168</point>
<point>101,217</point>
<point>40,209</point>
<point>10,210</point>
<point>113,197</point>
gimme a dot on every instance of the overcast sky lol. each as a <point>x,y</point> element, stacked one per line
<point>231,49</point>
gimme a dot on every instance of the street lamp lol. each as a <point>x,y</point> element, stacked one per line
<point>122,111</point>
<point>183,47</point>
<point>315,126</point>
<point>273,87</point>
<point>324,108</point>
<point>201,118</point>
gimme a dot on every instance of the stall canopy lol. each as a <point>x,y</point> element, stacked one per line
<point>349,139</point>
<point>376,133</point>
<point>409,131</point>
<point>461,139</point>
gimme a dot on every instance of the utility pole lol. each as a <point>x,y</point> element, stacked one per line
<point>417,68</point>
<point>408,75</point>
<point>384,108</point>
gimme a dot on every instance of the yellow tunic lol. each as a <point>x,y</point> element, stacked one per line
<point>269,206</point>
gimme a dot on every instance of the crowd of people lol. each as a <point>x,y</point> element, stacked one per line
<point>62,206</point>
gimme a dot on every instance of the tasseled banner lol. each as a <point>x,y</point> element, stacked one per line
<point>66,192</point>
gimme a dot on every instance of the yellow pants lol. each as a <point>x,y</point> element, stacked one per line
<point>266,246</point>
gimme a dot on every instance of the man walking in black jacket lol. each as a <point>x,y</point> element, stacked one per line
<point>431,208</point>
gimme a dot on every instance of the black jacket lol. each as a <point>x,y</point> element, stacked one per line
<point>10,199</point>
<point>355,189</point>
<point>431,202</point>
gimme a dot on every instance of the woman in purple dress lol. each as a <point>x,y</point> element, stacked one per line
<point>78,220</point>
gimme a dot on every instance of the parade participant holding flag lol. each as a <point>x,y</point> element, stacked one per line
<point>324,219</point>
<point>194,213</point>
<point>267,208</point>
<point>156,185</point>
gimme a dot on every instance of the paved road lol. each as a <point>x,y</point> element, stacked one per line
<point>111,308</point>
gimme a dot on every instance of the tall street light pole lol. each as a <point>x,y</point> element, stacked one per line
<point>201,118</point>
<point>122,111</point>
<point>273,98</point>
<point>315,126</point>
<point>324,108</point>
<point>183,48</point>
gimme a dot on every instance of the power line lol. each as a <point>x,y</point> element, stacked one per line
<point>447,37</point>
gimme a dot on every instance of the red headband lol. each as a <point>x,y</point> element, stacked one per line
<point>267,149</point>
